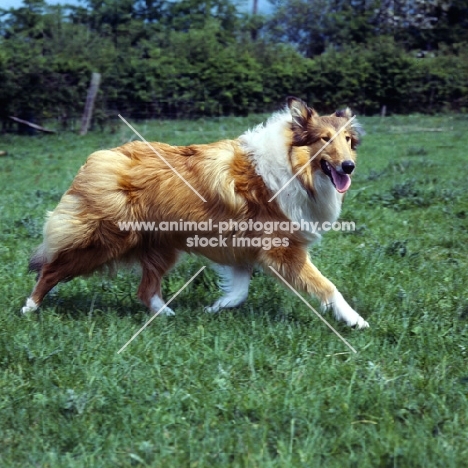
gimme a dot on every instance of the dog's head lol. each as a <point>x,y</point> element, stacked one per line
<point>327,144</point>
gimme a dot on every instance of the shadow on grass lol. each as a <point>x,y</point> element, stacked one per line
<point>101,296</point>
<point>83,305</point>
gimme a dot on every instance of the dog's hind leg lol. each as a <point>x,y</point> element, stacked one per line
<point>234,282</point>
<point>155,263</point>
<point>47,279</point>
<point>65,266</point>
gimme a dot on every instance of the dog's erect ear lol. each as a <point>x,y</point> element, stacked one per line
<point>300,112</point>
<point>343,113</point>
<point>301,115</point>
<point>355,127</point>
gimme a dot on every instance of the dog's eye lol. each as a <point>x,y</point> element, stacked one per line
<point>348,139</point>
<point>325,138</point>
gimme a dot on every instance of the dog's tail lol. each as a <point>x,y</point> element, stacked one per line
<point>37,260</point>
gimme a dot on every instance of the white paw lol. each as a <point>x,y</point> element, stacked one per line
<point>234,283</point>
<point>216,307</point>
<point>157,307</point>
<point>343,311</point>
<point>226,302</point>
<point>361,323</point>
<point>167,311</point>
<point>30,306</point>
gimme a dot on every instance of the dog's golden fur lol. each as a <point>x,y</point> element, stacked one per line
<point>237,179</point>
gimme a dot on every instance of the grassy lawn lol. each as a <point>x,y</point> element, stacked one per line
<point>265,385</point>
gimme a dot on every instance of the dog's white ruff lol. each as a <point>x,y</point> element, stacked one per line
<point>267,146</point>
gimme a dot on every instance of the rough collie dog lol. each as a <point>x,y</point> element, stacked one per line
<point>293,170</point>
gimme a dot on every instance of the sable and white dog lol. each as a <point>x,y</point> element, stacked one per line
<point>237,178</point>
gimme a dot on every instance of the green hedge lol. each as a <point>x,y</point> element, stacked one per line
<point>198,72</point>
<point>367,78</point>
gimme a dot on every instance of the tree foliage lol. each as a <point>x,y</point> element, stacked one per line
<point>199,57</point>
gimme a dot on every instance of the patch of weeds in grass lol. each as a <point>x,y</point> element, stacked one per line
<point>32,227</point>
<point>48,196</point>
<point>398,248</point>
<point>417,151</point>
<point>412,193</point>
<point>395,167</point>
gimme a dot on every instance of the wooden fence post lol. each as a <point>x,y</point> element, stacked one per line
<point>88,111</point>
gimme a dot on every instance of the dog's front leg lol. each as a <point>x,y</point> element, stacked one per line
<point>297,269</point>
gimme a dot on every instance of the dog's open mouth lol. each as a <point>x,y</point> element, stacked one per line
<point>342,182</point>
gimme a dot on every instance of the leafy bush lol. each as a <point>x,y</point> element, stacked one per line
<point>156,63</point>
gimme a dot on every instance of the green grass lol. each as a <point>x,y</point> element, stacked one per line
<point>265,385</point>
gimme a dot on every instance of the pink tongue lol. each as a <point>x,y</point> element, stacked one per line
<point>342,181</point>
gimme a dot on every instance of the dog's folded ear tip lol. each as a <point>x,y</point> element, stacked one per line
<point>292,101</point>
<point>292,98</point>
<point>346,112</point>
<point>295,101</point>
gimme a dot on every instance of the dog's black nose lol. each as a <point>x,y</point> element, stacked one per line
<point>348,166</point>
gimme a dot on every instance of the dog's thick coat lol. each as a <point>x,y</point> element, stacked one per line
<point>237,178</point>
